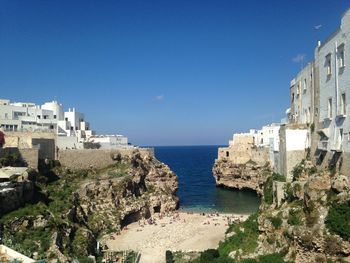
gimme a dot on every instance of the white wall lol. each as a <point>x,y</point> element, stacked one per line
<point>332,86</point>
<point>296,140</point>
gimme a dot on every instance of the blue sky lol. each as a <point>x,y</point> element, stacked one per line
<point>162,72</point>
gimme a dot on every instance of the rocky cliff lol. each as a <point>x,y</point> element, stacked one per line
<point>306,220</point>
<point>310,223</point>
<point>78,207</point>
<point>240,176</point>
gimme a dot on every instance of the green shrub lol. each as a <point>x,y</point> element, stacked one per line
<point>294,217</point>
<point>245,240</point>
<point>169,257</point>
<point>289,194</point>
<point>278,177</point>
<point>209,255</point>
<point>276,221</point>
<point>11,159</point>
<point>337,220</point>
<point>297,171</point>
<point>268,192</point>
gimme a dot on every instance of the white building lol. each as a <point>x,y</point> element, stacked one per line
<point>302,96</point>
<point>71,128</point>
<point>334,77</point>
<point>292,149</point>
<point>25,116</point>
<point>268,136</point>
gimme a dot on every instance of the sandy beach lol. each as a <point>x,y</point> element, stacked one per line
<point>174,231</point>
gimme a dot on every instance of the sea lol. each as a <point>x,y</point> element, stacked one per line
<point>197,190</point>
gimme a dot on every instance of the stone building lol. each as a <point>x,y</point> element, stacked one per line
<point>334,84</point>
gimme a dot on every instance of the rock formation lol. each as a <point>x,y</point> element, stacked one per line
<point>240,176</point>
<point>94,203</point>
<point>299,226</point>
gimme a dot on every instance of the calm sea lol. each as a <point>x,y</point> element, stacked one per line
<point>197,190</point>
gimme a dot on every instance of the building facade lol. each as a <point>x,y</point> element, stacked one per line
<point>69,126</point>
<point>334,90</point>
<point>302,93</point>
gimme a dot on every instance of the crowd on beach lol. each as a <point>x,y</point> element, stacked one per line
<point>212,218</point>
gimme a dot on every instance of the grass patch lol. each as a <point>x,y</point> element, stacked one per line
<point>268,191</point>
<point>294,217</point>
<point>276,221</point>
<point>245,240</point>
<point>337,220</point>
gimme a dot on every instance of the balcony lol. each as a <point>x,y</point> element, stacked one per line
<point>337,147</point>
<point>322,145</point>
<point>341,115</point>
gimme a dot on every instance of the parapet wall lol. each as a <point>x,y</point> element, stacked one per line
<point>94,158</point>
<point>259,155</point>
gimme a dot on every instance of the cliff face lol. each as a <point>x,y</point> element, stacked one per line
<point>305,220</point>
<point>240,176</point>
<point>80,206</point>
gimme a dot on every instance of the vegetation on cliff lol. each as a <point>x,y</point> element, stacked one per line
<point>305,220</point>
<point>337,219</point>
<point>72,209</point>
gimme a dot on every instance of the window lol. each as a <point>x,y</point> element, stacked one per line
<point>304,86</point>
<point>329,64</point>
<point>66,119</point>
<point>330,113</point>
<point>54,116</point>
<point>293,97</point>
<point>38,116</point>
<point>343,104</point>
<point>341,56</point>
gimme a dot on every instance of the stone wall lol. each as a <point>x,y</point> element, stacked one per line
<point>44,141</point>
<point>259,155</point>
<point>46,148</point>
<point>30,156</point>
<point>94,158</point>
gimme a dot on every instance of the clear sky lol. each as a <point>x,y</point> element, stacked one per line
<point>167,72</point>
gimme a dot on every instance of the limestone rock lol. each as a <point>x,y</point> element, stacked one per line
<point>340,183</point>
<point>239,176</point>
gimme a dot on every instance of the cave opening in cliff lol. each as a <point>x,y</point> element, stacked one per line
<point>131,218</point>
<point>156,209</point>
